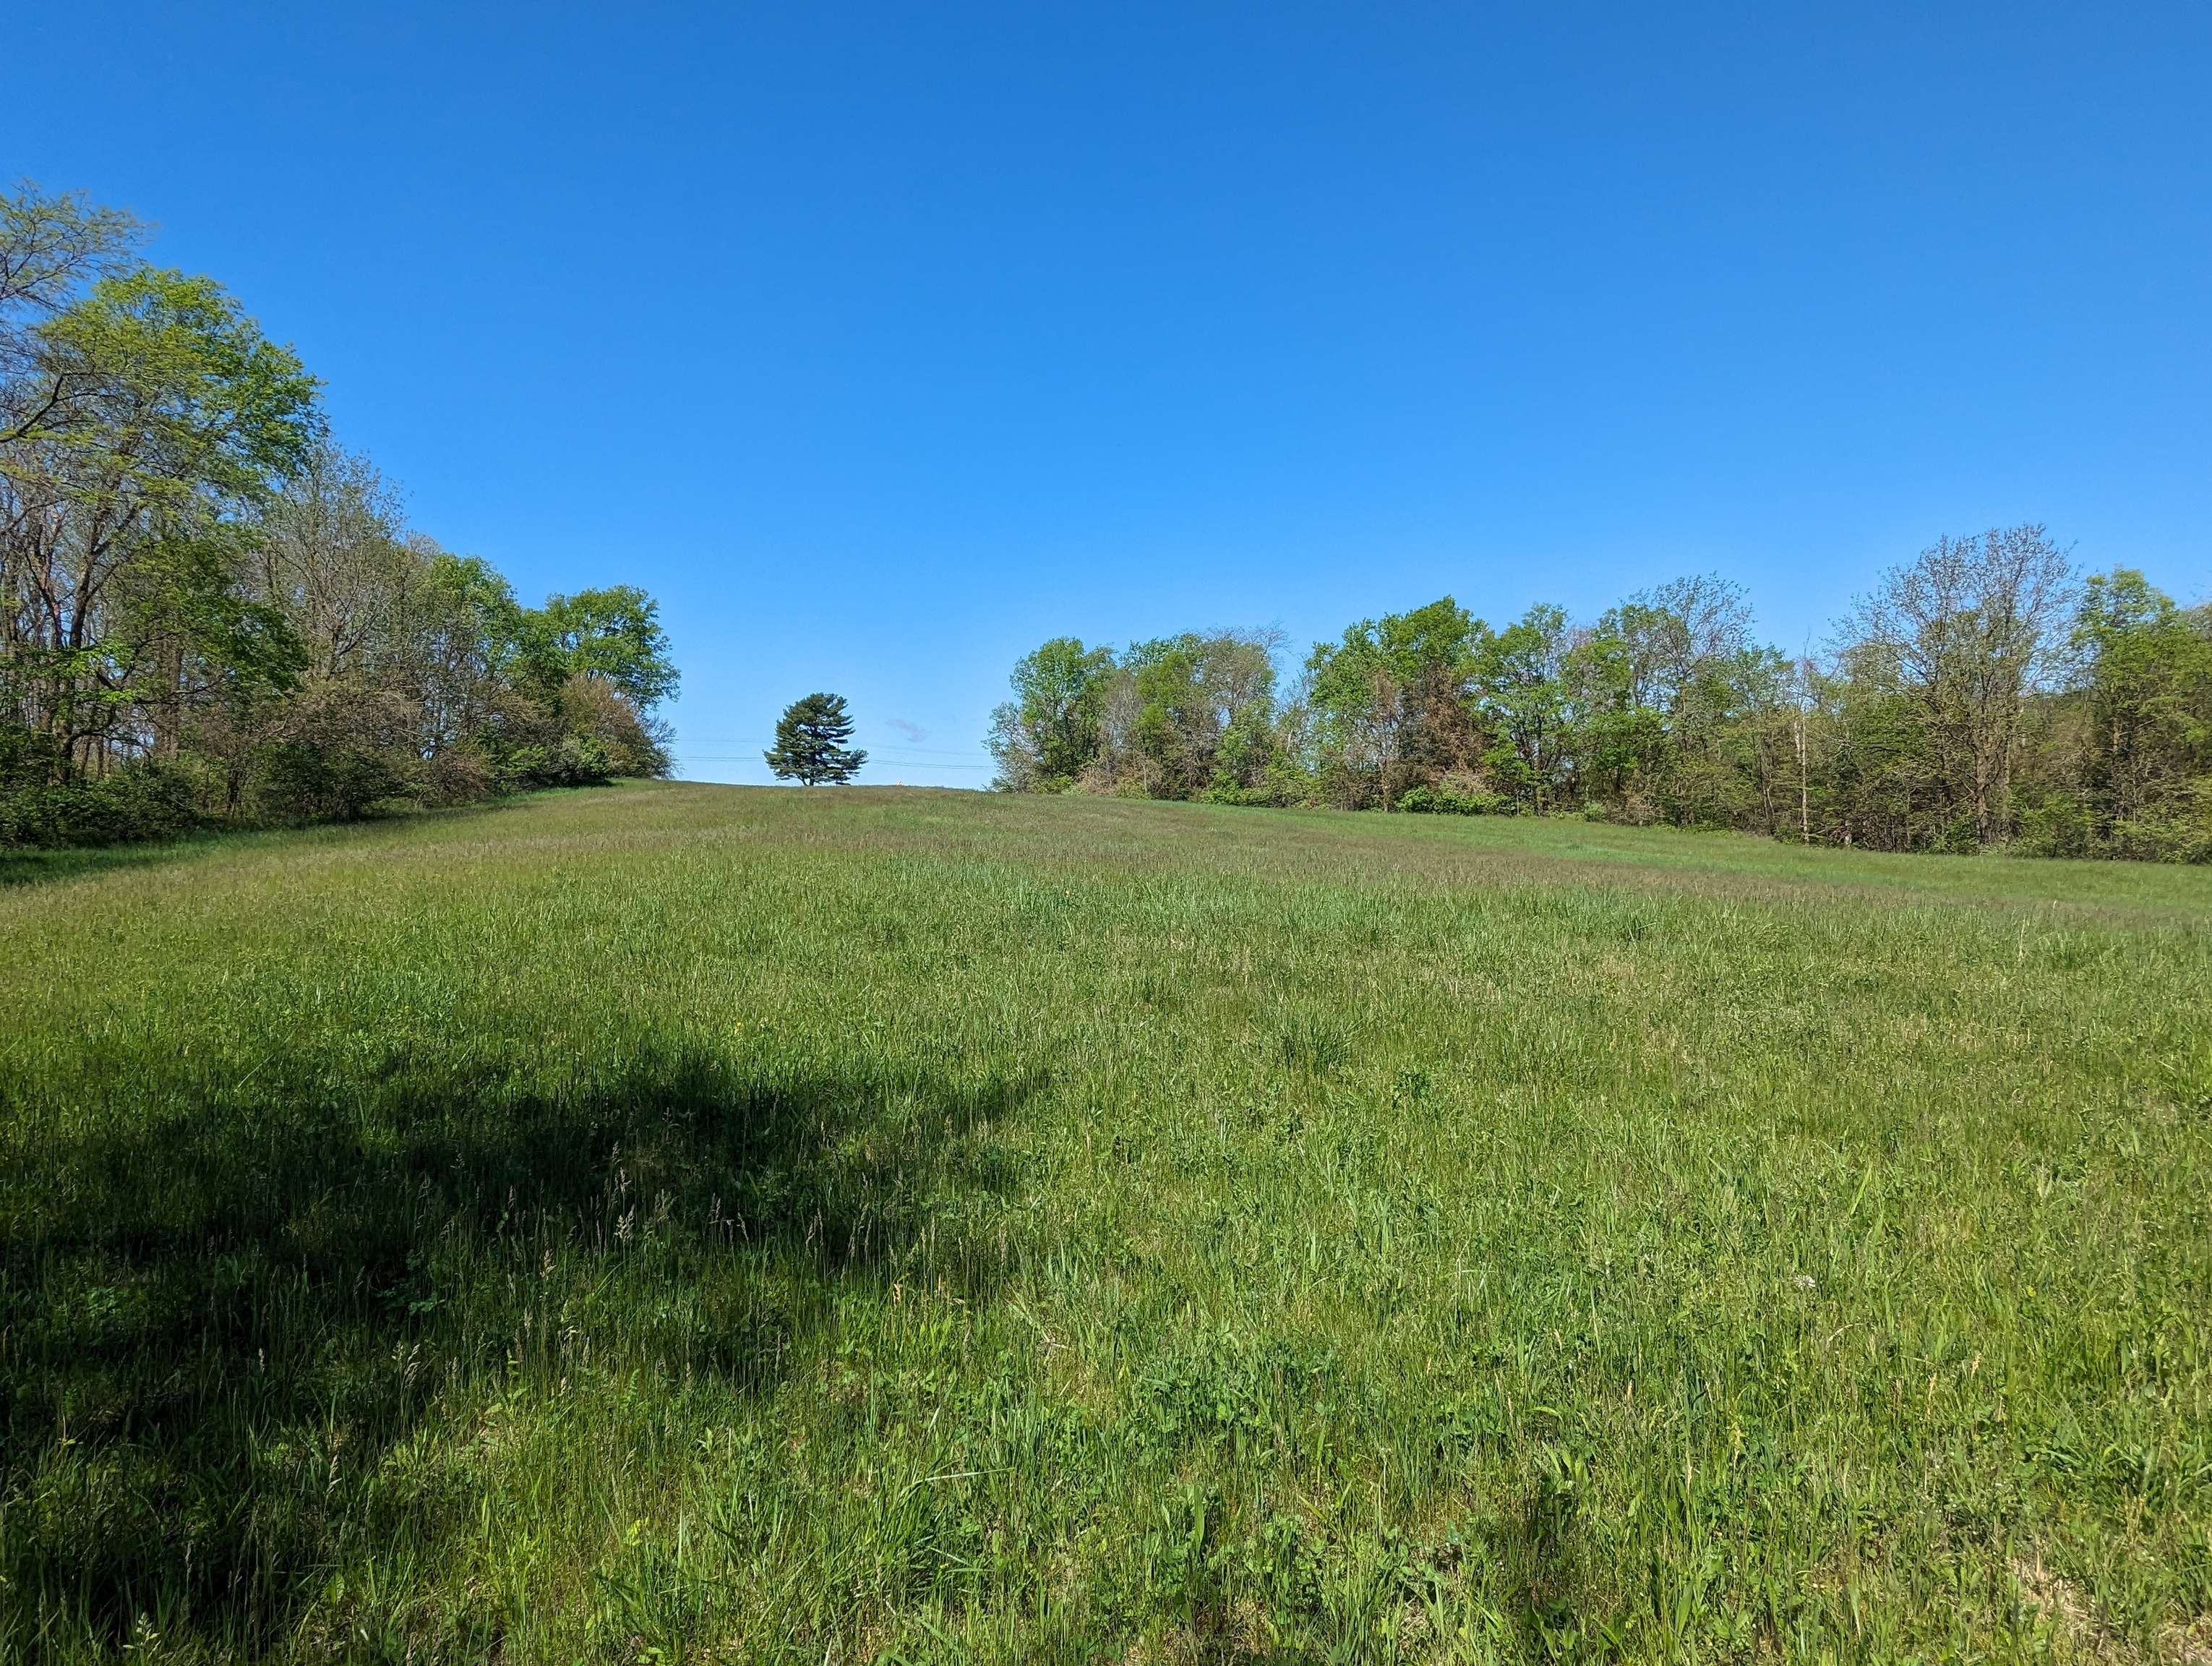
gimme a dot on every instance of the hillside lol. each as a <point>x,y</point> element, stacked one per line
<point>680,1222</point>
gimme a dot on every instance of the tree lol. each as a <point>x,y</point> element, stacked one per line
<point>2125,755</point>
<point>208,608</point>
<point>1045,737</point>
<point>1191,714</point>
<point>330,551</point>
<point>1521,693</point>
<point>1674,633</point>
<point>1964,635</point>
<point>1388,702</point>
<point>810,743</point>
<point>1676,714</point>
<point>612,634</point>
<point>143,422</point>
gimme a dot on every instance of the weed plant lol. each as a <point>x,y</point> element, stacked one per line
<point>684,1223</point>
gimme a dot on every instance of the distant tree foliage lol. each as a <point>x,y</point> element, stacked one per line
<point>1176,717</point>
<point>1049,733</point>
<point>810,743</point>
<point>1984,697</point>
<point>211,613</point>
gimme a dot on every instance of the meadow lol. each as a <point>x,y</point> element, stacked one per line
<point>677,1223</point>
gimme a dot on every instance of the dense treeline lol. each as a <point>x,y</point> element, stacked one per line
<point>210,612</point>
<point>1984,697</point>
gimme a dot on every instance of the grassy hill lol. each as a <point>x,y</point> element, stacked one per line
<point>700,1223</point>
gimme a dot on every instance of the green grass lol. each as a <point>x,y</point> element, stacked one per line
<point>697,1223</point>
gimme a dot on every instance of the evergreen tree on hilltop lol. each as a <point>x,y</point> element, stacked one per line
<point>810,743</point>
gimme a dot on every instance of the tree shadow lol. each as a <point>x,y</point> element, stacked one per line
<point>223,1317</point>
<point>35,866</point>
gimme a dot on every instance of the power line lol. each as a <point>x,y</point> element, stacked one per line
<point>754,740</point>
<point>910,763</point>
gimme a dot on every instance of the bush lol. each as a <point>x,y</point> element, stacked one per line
<point>2062,825</point>
<point>140,801</point>
<point>303,783</point>
<point>593,709</point>
<point>1448,801</point>
<point>2170,838</point>
<point>571,761</point>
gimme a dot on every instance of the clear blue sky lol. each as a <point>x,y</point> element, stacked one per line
<point>882,343</point>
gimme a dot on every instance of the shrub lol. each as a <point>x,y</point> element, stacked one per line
<point>1441,800</point>
<point>142,801</point>
<point>300,781</point>
<point>572,761</point>
<point>593,709</point>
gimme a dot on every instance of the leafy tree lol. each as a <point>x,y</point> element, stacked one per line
<point>1675,715</point>
<point>1676,634</point>
<point>201,594</point>
<point>2145,742</point>
<point>1050,733</point>
<point>1966,635</point>
<point>144,422</point>
<point>1522,694</point>
<point>613,634</point>
<point>1192,714</point>
<point>810,743</point>
<point>2122,763</point>
<point>1390,703</point>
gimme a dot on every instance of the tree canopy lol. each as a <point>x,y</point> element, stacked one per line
<point>1981,696</point>
<point>211,610</point>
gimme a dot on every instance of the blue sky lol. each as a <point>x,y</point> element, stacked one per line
<point>882,343</point>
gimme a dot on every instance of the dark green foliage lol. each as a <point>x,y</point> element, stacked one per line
<point>810,743</point>
<point>139,801</point>
<point>302,783</point>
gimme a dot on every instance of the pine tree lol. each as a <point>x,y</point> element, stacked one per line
<point>810,743</point>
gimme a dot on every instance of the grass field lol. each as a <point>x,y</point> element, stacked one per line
<point>687,1223</point>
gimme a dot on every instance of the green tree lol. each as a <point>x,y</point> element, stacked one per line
<point>1967,635</point>
<point>1522,691</point>
<point>810,743</point>
<point>1192,714</point>
<point>1049,733</point>
<point>1674,714</point>
<point>208,608</point>
<point>1387,707</point>
<point>2126,753</point>
<point>613,634</point>
<point>144,422</point>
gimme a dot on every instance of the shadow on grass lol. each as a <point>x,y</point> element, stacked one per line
<point>224,1318</point>
<point>33,865</point>
<point>28,866</point>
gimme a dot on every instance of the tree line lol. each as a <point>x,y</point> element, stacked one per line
<point>211,613</point>
<point>1985,695</point>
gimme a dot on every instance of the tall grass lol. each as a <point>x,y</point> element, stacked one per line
<point>684,1222</point>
